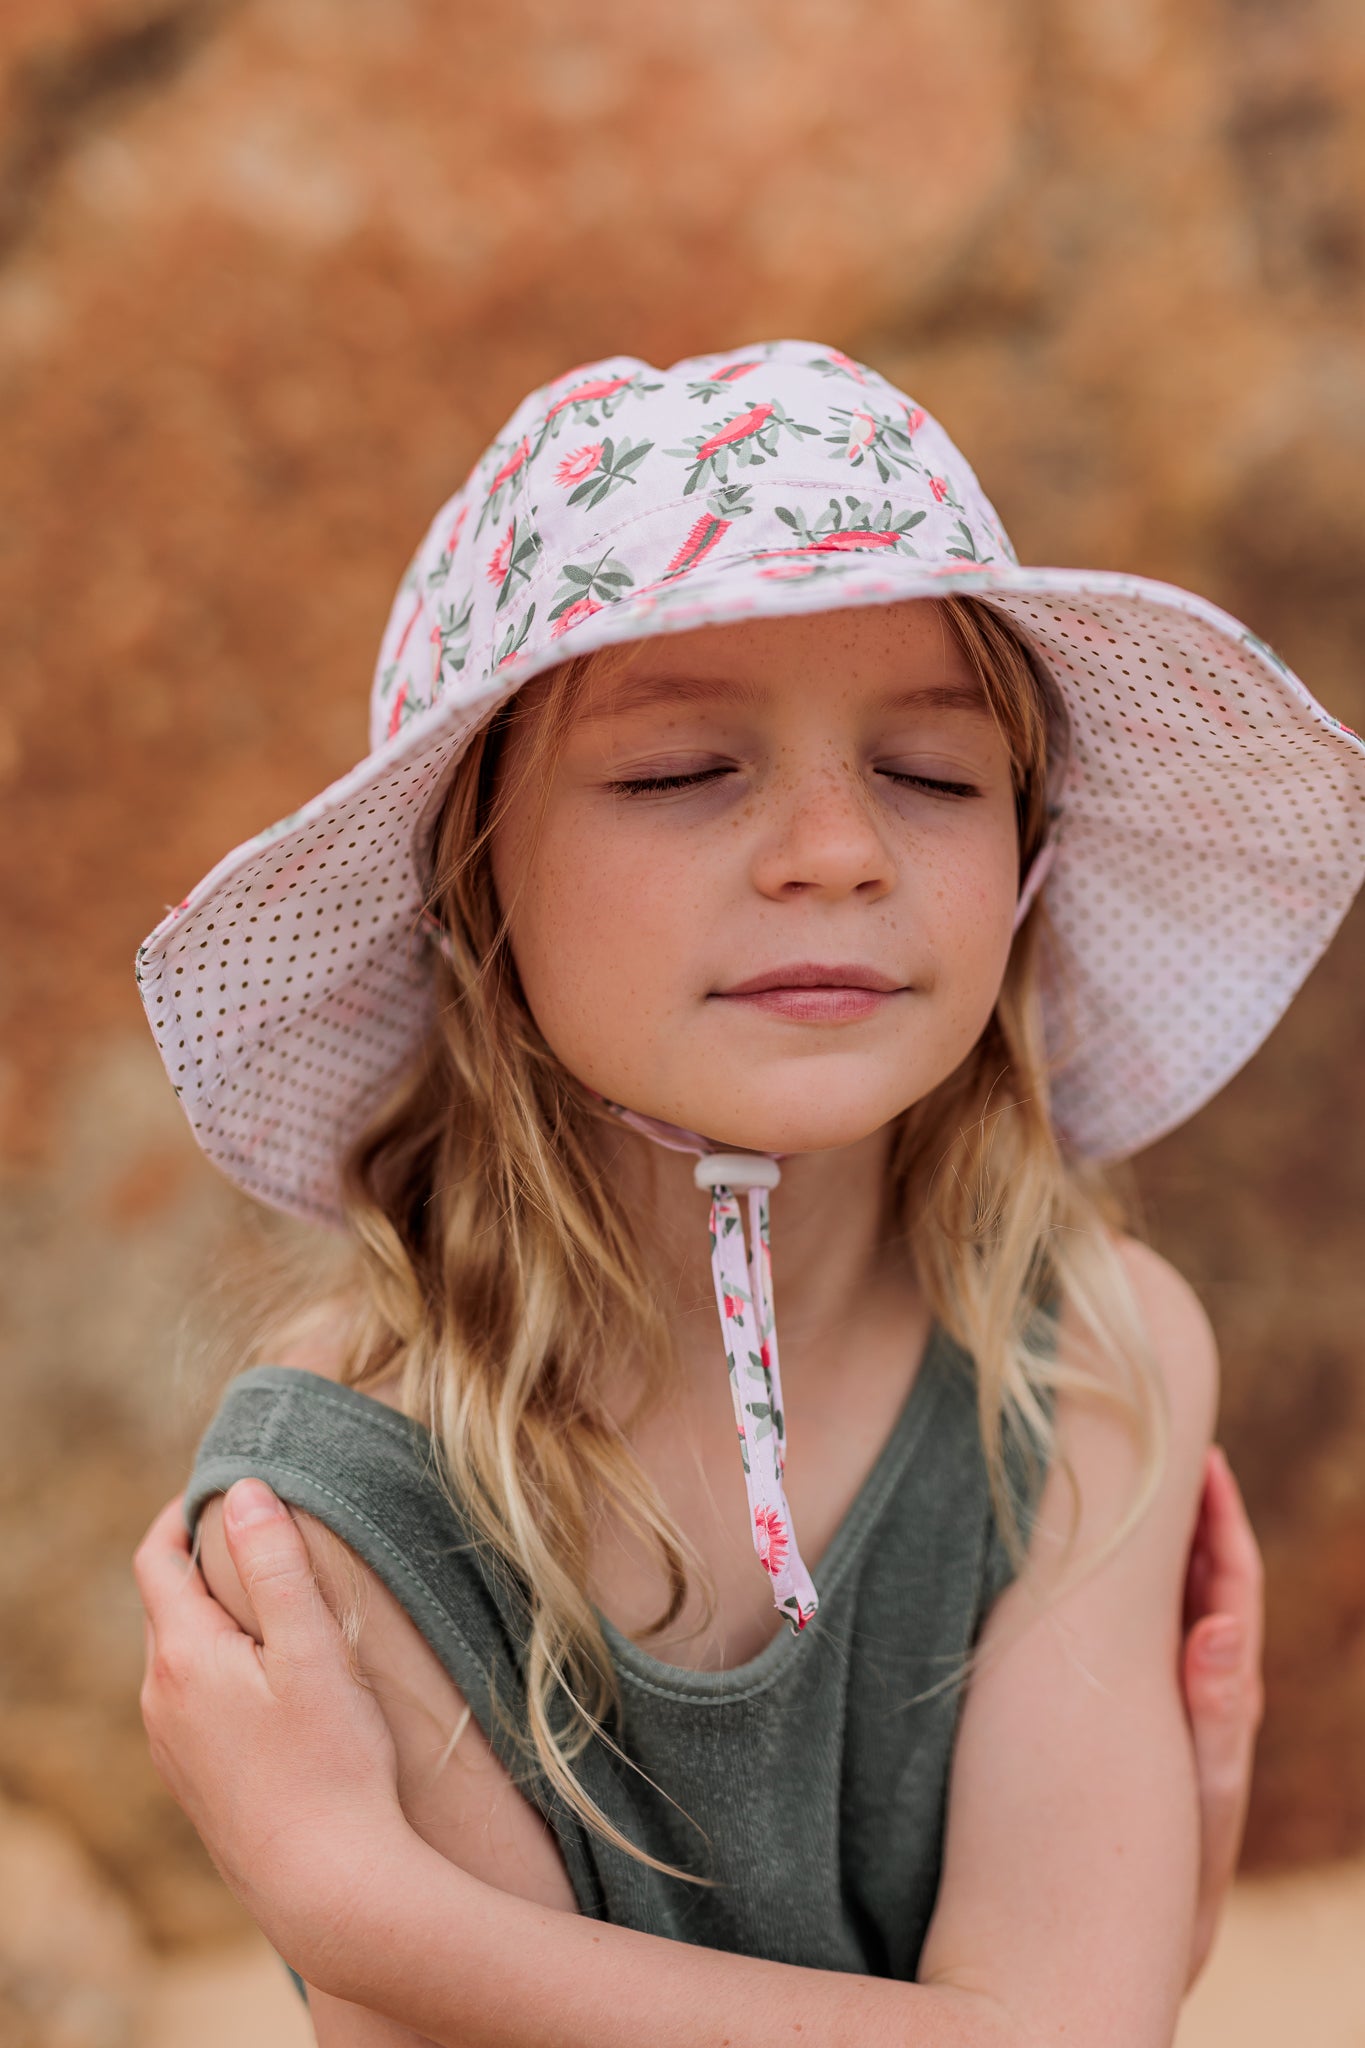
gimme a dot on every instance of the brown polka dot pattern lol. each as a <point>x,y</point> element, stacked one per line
<point>1212,830</point>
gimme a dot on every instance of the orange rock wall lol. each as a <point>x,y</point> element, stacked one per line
<point>270,277</point>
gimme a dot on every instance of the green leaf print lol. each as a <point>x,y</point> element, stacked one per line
<point>852,524</point>
<point>616,467</point>
<point>514,638</point>
<point>512,559</point>
<point>598,581</point>
<point>872,437</point>
<point>719,384</point>
<point>967,551</point>
<point>763,1418</point>
<point>455,626</point>
<point>745,437</point>
<point>589,403</point>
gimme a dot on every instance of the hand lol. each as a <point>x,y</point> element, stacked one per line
<point>282,1760</point>
<point>1224,1599</point>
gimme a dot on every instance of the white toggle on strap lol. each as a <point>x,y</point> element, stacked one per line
<point>739,1170</point>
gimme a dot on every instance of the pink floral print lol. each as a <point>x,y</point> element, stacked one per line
<point>770,1540</point>
<point>581,463</point>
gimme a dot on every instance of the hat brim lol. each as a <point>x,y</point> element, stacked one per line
<point>1212,839</point>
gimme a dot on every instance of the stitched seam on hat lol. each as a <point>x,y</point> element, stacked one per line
<point>829,486</point>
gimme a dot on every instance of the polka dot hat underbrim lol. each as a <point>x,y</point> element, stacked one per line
<point>1212,814</point>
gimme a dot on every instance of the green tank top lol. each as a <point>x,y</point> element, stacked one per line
<point>816,1778</point>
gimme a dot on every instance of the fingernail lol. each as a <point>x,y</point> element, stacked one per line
<point>1221,1647</point>
<point>251,1500</point>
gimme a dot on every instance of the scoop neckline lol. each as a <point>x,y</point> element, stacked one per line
<point>682,1681</point>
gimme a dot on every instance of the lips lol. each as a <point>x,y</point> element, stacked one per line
<point>814,974</point>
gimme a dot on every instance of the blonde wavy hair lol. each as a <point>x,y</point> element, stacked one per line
<point>492,1271</point>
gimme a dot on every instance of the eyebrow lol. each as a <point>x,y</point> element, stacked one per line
<point>646,691</point>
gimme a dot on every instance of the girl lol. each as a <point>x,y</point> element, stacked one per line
<point>721,752</point>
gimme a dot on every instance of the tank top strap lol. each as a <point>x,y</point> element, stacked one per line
<point>369,1474</point>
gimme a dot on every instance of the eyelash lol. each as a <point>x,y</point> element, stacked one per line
<point>673,782</point>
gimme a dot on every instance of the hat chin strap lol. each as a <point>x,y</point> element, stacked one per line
<point>744,1300</point>
<point>1033,882</point>
<point>747,1323</point>
<point>748,1326</point>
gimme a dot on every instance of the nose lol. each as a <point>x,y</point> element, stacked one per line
<point>822,835</point>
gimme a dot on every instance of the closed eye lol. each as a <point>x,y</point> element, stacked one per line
<point>667,782</point>
<point>664,782</point>
<point>932,782</point>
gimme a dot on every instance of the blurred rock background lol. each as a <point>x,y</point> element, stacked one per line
<point>270,277</point>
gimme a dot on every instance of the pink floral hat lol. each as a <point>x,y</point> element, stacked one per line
<point>1210,837</point>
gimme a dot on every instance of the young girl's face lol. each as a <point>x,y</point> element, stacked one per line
<point>838,794</point>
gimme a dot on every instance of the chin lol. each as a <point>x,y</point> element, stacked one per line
<point>802,1128</point>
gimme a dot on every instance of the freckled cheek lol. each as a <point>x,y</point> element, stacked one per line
<point>599,933</point>
<point>971,908</point>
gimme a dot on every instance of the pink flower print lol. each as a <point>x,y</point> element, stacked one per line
<point>841,541</point>
<point>763,1354</point>
<point>584,609</point>
<point>913,420</point>
<point>739,429</point>
<point>836,355</point>
<point>938,487</point>
<point>403,641</point>
<point>702,538</point>
<point>770,1539</point>
<point>733,370</point>
<point>447,555</point>
<point>581,463</point>
<point>511,466</point>
<point>785,571</point>
<point>396,713</point>
<point>863,439</point>
<point>501,556</point>
<point>584,394</point>
<point>734,1308</point>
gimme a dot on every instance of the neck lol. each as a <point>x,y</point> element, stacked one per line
<point>835,1262</point>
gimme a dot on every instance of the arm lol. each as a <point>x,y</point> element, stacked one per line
<point>284,1775</point>
<point>1067,1905</point>
<point>286,1769</point>
<point>1071,1862</point>
<point>460,1801</point>
<point>1224,1696</point>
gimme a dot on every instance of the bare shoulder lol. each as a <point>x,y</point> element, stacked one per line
<point>1099,1461</point>
<point>1182,1341</point>
<point>319,1341</point>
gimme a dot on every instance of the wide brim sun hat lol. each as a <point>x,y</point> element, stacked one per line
<point>1210,833</point>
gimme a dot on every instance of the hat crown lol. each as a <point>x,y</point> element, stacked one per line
<point>619,479</point>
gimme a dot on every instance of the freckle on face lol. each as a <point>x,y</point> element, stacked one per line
<point>637,911</point>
